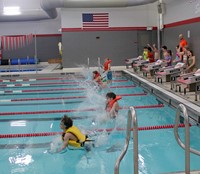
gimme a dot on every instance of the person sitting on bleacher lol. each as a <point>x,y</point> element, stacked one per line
<point>145,53</point>
<point>155,51</point>
<point>150,55</point>
<point>191,62</point>
<point>168,57</point>
<point>179,55</point>
<point>164,51</point>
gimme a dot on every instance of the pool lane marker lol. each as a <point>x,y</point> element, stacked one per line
<point>25,146</point>
<point>47,84</point>
<point>62,98</point>
<point>43,134</point>
<point>73,110</point>
<point>82,117</point>
<point>38,84</point>
<point>37,79</point>
<point>41,90</point>
<point>56,89</point>
<point>50,78</point>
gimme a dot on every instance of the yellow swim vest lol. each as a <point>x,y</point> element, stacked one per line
<point>80,136</point>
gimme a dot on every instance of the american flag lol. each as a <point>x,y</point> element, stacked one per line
<point>95,20</point>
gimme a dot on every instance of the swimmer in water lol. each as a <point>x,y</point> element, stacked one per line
<point>112,105</point>
<point>71,135</point>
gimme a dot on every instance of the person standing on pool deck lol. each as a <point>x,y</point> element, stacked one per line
<point>107,69</point>
<point>182,42</point>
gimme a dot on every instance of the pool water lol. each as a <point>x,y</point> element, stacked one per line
<point>38,109</point>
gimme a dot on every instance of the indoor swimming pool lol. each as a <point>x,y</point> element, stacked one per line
<point>31,110</point>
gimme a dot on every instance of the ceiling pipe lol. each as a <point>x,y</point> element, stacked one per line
<point>48,8</point>
<point>50,5</point>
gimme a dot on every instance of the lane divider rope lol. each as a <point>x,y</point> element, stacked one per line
<point>36,84</point>
<point>31,80</point>
<point>45,78</point>
<point>55,89</point>
<point>42,134</point>
<point>62,98</point>
<point>73,110</point>
<point>52,83</point>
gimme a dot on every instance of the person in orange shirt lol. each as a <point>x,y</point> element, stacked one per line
<point>107,70</point>
<point>183,42</point>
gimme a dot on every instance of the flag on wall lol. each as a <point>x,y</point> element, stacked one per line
<point>95,20</point>
<point>15,42</point>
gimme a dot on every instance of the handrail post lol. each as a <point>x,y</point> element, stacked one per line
<point>88,63</point>
<point>135,135</point>
<point>99,64</point>
<point>131,117</point>
<point>185,146</point>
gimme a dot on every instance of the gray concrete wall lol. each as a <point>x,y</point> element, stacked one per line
<point>117,45</point>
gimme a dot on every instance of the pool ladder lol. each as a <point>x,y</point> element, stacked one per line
<point>185,146</point>
<point>131,118</point>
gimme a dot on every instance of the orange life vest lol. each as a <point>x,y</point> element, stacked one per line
<point>99,80</point>
<point>111,103</point>
<point>106,64</point>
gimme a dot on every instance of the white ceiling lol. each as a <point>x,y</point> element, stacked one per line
<point>30,10</point>
<point>34,10</point>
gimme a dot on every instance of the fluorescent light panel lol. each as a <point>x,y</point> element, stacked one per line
<point>12,10</point>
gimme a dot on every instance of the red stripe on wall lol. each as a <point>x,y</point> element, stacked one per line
<point>38,35</point>
<point>184,22</point>
<point>48,35</point>
<point>106,29</point>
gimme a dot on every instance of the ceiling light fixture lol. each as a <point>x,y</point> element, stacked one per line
<point>12,10</point>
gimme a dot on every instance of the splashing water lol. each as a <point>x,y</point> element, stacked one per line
<point>55,144</point>
<point>102,139</point>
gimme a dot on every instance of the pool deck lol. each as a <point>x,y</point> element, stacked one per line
<point>190,97</point>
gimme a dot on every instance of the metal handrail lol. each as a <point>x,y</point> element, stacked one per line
<point>131,117</point>
<point>185,146</point>
<point>99,64</point>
